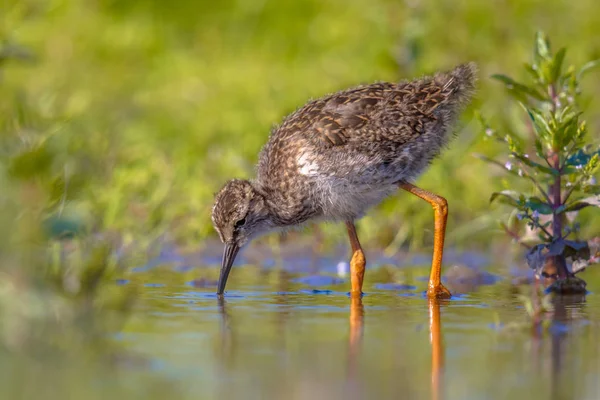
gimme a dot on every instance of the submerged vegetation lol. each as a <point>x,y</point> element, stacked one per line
<point>553,152</point>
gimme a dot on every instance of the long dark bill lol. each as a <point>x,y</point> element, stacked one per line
<point>229,254</point>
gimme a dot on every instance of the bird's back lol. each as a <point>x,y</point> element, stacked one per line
<point>371,135</point>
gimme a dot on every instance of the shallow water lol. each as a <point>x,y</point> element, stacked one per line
<point>280,335</point>
<point>283,333</point>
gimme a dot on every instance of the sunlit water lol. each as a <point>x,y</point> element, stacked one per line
<point>282,335</point>
<point>285,337</point>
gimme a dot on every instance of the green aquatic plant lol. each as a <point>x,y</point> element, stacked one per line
<point>553,153</point>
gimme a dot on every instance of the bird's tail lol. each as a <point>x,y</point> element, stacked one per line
<point>458,85</point>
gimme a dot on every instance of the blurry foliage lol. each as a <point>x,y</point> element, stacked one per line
<point>59,310</point>
<point>64,304</point>
<point>130,116</point>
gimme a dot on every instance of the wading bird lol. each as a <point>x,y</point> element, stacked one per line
<point>339,155</point>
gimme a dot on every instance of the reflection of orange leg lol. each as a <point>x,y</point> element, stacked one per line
<point>358,261</point>
<point>357,316</point>
<point>440,210</point>
<point>437,348</point>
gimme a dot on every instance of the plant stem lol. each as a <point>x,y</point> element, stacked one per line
<point>539,226</point>
<point>555,161</point>
<point>556,198</point>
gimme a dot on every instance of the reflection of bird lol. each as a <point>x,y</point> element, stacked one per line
<point>339,155</point>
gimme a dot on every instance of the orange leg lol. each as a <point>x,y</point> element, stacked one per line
<point>358,261</point>
<point>440,212</point>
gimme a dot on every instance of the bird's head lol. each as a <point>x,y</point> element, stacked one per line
<point>238,215</point>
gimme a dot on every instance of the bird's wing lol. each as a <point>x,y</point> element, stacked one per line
<point>347,112</point>
<point>396,112</point>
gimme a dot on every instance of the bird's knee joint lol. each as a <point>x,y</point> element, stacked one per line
<point>441,206</point>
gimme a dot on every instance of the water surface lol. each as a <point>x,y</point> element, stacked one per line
<point>287,329</point>
<point>300,336</point>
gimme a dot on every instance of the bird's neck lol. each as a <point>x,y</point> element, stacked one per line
<point>281,208</point>
<point>263,205</point>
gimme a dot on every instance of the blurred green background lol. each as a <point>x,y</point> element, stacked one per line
<point>122,118</point>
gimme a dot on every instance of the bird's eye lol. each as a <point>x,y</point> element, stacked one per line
<point>240,223</point>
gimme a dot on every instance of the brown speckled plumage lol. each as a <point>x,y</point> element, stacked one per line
<point>339,155</point>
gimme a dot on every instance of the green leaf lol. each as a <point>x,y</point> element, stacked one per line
<point>567,110</point>
<point>539,122</point>
<point>586,68</point>
<point>536,204</point>
<point>534,165</point>
<point>567,130</point>
<point>518,89</point>
<point>542,46</point>
<point>591,189</point>
<point>538,148</point>
<point>576,206</point>
<point>532,71</point>
<point>583,203</point>
<point>581,132</point>
<point>592,165</point>
<point>509,197</point>
<point>513,145</point>
<point>557,64</point>
<point>513,171</point>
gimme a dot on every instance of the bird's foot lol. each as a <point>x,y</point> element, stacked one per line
<point>438,292</point>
